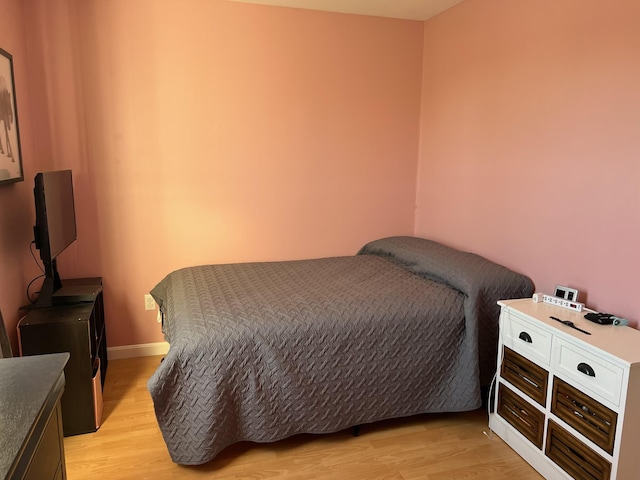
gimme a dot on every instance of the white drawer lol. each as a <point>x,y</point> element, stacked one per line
<point>527,338</point>
<point>595,374</point>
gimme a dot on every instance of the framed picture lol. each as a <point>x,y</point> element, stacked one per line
<point>10,154</point>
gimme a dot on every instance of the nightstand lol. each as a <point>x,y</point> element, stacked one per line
<point>566,401</point>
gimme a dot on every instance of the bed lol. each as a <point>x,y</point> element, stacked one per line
<point>263,351</point>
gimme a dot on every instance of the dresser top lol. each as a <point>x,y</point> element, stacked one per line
<point>26,387</point>
<point>620,342</point>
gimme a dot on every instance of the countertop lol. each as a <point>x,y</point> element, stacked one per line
<point>29,387</point>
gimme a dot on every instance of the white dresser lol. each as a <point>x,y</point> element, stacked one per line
<point>568,402</point>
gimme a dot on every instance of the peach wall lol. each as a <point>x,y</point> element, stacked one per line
<point>530,141</point>
<point>211,132</point>
<point>17,267</point>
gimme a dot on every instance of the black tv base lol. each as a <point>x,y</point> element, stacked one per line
<point>71,293</point>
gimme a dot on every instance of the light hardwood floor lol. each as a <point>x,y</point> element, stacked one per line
<point>129,446</point>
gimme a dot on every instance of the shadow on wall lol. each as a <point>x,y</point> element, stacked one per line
<point>5,346</point>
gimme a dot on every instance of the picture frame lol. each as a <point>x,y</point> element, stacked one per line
<point>10,152</point>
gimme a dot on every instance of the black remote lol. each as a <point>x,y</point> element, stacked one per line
<point>601,318</point>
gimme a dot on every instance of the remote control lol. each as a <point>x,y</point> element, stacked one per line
<point>601,318</point>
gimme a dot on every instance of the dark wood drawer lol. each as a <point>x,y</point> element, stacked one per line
<point>573,456</point>
<point>528,377</point>
<point>587,416</point>
<point>523,416</point>
<point>48,459</point>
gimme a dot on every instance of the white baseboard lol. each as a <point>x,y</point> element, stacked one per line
<point>142,350</point>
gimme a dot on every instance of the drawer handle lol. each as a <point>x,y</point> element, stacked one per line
<point>586,369</point>
<point>525,337</point>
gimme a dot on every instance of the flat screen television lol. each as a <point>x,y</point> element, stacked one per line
<point>55,227</point>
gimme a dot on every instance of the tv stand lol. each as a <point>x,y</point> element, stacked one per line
<point>77,328</point>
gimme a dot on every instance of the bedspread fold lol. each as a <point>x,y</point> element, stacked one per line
<point>482,281</point>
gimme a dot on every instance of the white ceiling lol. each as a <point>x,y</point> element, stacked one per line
<point>407,9</point>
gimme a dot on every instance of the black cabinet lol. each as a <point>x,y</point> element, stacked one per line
<point>79,329</point>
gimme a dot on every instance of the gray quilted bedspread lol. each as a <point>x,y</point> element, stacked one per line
<point>263,351</point>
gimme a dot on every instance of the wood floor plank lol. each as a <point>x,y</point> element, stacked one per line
<point>426,447</point>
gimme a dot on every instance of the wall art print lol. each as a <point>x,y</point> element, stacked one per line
<point>10,155</point>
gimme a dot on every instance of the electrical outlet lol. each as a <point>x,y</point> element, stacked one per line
<point>149,302</point>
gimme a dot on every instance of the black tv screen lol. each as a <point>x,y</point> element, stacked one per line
<point>58,218</point>
<point>55,227</point>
